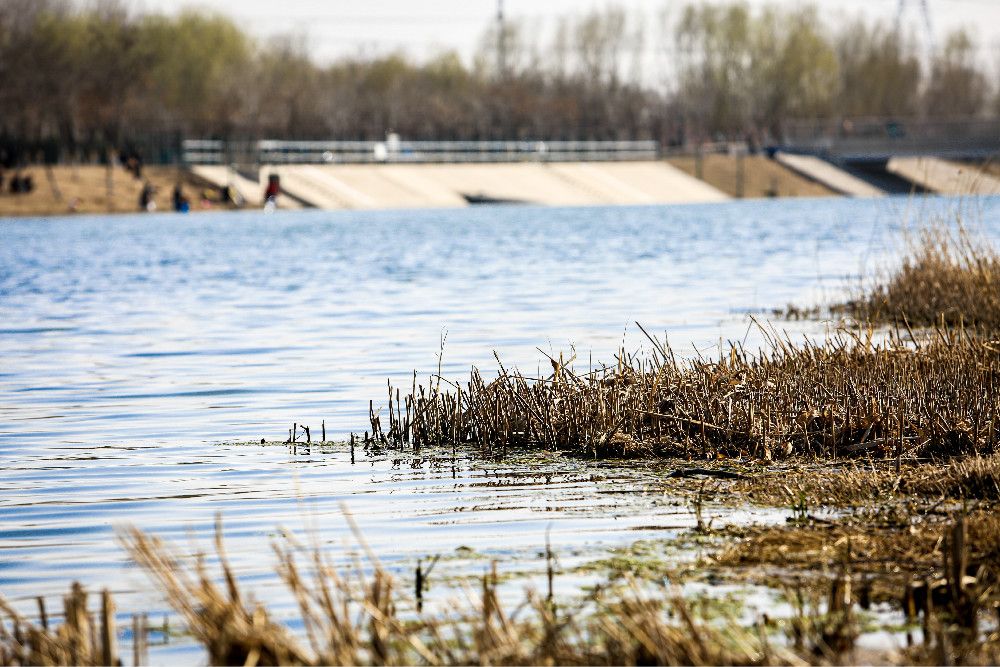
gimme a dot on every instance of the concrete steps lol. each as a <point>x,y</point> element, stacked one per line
<point>251,191</point>
<point>828,174</point>
<point>944,177</point>
<point>380,186</point>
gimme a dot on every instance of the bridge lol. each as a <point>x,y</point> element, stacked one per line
<point>880,139</point>
<point>395,151</point>
<point>890,155</point>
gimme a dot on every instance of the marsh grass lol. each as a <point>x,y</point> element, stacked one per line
<point>949,277</point>
<point>847,396</point>
<point>860,483</point>
<point>85,636</point>
<point>351,617</point>
<point>938,569</point>
<point>941,576</point>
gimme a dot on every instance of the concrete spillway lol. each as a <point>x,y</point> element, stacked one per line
<point>251,191</point>
<point>828,174</point>
<point>451,185</point>
<point>944,177</point>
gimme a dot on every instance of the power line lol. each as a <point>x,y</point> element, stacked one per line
<point>926,13</point>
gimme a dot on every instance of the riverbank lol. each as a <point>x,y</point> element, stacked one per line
<point>60,190</point>
<point>67,189</point>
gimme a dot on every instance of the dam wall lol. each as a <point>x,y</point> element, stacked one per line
<point>383,186</point>
<point>829,175</point>
<point>944,176</point>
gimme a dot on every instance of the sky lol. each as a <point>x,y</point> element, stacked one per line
<point>423,28</point>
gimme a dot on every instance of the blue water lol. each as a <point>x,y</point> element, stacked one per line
<point>131,346</point>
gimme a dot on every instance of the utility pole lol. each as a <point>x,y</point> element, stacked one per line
<point>501,42</point>
<point>929,46</point>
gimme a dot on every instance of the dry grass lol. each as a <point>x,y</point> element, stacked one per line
<point>84,189</point>
<point>971,479</point>
<point>845,397</point>
<point>873,545</point>
<point>936,568</point>
<point>350,618</point>
<point>78,640</point>
<point>948,277</point>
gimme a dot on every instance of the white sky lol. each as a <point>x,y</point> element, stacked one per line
<point>422,28</point>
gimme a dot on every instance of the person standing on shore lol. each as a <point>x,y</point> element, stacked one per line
<point>146,201</point>
<point>272,191</point>
<point>181,203</point>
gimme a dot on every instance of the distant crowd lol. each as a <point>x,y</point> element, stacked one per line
<point>17,180</point>
<point>19,183</point>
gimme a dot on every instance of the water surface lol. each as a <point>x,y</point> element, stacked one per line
<point>132,346</point>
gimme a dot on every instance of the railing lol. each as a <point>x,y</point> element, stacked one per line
<point>878,138</point>
<point>202,151</point>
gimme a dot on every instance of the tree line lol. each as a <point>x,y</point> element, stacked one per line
<point>77,78</point>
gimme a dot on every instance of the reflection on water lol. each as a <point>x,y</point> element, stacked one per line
<point>131,345</point>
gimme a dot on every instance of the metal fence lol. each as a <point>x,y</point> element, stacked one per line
<point>394,151</point>
<point>881,138</point>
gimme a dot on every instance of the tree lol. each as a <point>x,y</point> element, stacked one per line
<point>957,87</point>
<point>879,74</point>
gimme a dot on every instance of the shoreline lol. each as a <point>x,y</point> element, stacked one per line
<point>84,189</point>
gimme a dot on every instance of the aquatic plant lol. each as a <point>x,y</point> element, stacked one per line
<point>354,618</point>
<point>948,277</point>
<point>941,576</point>
<point>938,570</point>
<point>845,396</point>
<point>78,640</point>
<point>848,483</point>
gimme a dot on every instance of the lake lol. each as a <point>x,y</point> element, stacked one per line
<point>142,354</point>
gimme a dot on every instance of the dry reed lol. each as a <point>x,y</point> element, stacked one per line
<point>940,569</point>
<point>943,573</point>
<point>847,396</point>
<point>948,277</point>
<point>351,618</point>
<point>971,478</point>
<point>79,640</point>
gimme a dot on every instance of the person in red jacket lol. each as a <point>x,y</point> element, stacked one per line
<point>273,190</point>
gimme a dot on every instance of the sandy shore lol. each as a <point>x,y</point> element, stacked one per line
<point>67,189</point>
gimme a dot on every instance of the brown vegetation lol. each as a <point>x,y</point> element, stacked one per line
<point>355,619</point>
<point>844,397</point>
<point>78,640</point>
<point>940,572</point>
<point>816,484</point>
<point>948,277</point>
<point>922,540</point>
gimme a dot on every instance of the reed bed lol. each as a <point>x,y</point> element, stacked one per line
<point>858,483</point>
<point>81,639</point>
<point>948,277</point>
<point>351,618</point>
<point>940,573</point>
<point>847,396</point>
